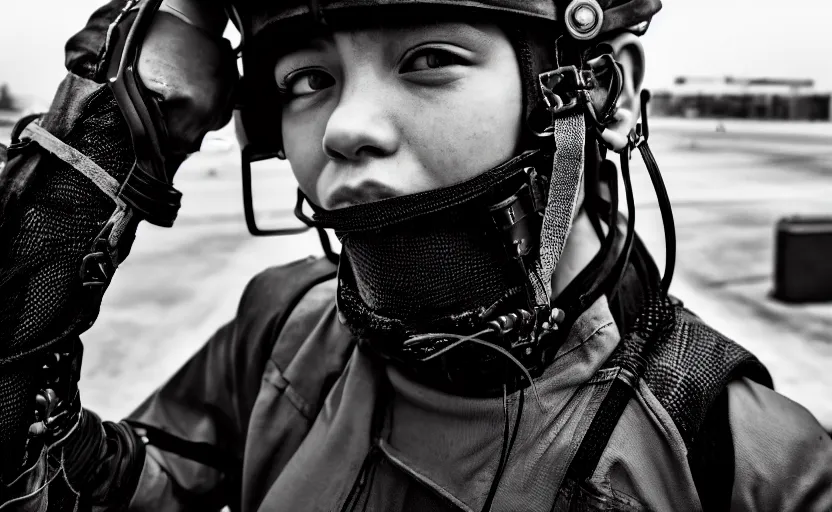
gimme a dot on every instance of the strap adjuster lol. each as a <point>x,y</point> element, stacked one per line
<point>566,89</point>
<point>597,88</point>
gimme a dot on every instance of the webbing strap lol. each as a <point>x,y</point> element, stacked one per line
<point>76,159</point>
<point>562,203</point>
<point>600,430</point>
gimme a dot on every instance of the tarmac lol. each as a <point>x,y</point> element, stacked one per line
<point>729,183</point>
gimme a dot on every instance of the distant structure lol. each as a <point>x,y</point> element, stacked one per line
<point>749,98</point>
<point>6,100</point>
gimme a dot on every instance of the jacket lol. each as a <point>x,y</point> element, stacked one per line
<point>283,390</point>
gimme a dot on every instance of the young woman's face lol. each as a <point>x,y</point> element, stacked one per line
<point>371,114</point>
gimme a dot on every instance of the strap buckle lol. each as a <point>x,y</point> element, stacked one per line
<point>641,133</point>
<point>598,88</point>
<point>566,89</point>
<point>101,262</point>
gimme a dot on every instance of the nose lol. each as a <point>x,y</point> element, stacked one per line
<point>361,126</point>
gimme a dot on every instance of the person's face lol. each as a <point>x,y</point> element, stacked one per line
<point>376,113</point>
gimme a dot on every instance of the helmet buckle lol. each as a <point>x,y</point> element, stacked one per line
<point>597,89</point>
<point>566,89</point>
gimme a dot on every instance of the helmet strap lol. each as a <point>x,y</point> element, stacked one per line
<point>567,176</point>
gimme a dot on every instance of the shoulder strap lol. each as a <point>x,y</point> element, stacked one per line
<point>600,430</point>
<point>711,457</point>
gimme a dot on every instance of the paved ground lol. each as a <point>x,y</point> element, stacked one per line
<point>728,190</point>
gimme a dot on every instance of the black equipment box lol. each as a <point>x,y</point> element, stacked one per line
<point>803,259</point>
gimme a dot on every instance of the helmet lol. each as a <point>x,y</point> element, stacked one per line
<point>261,22</point>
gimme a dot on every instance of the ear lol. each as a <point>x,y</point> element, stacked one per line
<point>629,52</point>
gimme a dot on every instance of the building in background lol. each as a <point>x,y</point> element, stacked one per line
<point>744,98</point>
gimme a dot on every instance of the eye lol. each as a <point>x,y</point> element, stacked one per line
<point>306,81</point>
<point>431,58</point>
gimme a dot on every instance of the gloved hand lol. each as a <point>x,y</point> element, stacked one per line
<point>53,218</point>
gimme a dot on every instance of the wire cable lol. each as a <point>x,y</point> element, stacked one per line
<point>474,339</point>
<point>505,452</point>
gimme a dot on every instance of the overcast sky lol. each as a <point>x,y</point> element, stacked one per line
<point>789,39</point>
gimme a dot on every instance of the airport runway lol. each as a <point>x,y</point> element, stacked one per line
<point>728,188</point>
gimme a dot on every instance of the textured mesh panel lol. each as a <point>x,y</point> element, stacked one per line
<point>426,270</point>
<point>65,212</point>
<point>437,274</point>
<point>14,390</point>
<point>435,260</point>
<point>711,360</point>
<point>48,235</point>
<point>685,363</point>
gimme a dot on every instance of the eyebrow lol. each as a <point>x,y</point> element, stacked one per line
<point>318,43</point>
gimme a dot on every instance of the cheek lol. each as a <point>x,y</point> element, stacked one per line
<point>302,136</point>
<point>476,128</point>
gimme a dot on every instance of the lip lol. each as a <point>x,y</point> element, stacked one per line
<point>360,193</point>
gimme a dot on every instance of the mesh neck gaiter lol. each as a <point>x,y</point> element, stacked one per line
<point>430,262</point>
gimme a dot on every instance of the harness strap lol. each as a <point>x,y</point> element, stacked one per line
<point>75,159</point>
<point>600,430</point>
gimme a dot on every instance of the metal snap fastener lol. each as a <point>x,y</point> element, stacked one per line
<point>583,19</point>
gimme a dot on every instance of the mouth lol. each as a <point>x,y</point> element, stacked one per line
<point>361,193</point>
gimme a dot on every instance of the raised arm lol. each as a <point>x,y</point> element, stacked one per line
<point>76,184</point>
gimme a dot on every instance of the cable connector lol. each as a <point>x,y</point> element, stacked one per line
<point>556,316</point>
<point>505,324</point>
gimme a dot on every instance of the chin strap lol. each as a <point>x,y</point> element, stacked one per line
<point>574,97</point>
<point>562,202</point>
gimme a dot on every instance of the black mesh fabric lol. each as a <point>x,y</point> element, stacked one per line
<point>443,271</point>
<point>388,212</point>
<point>430,269</point>
<point>711,360</point>
<point>44,234</point>
<point>685,362</point>
<point>16,394</point>
<point>435,261</point>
